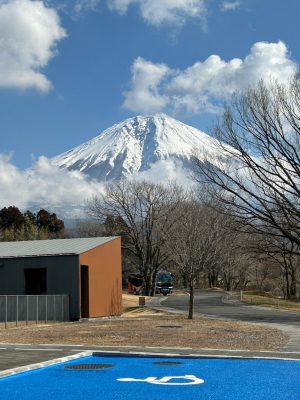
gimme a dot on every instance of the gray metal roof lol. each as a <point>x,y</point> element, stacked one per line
<point>34,248</point>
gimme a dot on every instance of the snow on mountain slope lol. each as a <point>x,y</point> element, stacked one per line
<point>134,146</point>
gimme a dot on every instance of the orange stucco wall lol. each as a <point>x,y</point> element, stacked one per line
<point>105,278</point>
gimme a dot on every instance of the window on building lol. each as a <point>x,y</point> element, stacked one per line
<point>35,280</point>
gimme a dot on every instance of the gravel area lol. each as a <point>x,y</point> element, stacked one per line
<point>144,327</point>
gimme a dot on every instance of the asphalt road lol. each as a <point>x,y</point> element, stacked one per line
<point>212,304</point>
<point>12,356</point>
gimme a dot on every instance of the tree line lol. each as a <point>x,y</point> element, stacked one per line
<point>258,185</point>
<point>16,226</point>
<point>167,227</point>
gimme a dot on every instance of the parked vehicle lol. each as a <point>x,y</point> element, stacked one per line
<point>135,284</point>
<point>164,283</point>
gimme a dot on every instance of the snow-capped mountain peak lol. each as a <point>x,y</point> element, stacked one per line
<point>135,145</point>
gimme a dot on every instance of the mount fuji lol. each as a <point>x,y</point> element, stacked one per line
<point>135,146</point>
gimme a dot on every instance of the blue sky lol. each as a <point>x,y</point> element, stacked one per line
<point>92,58</point>
<point>71,68</point>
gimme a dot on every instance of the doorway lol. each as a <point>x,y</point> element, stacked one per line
<point>84,291</point>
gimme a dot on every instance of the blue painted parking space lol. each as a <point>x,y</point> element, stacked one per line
<point>147,378</point>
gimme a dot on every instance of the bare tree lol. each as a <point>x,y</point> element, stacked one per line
<point>231,260</point>
<point>87,228</point>
<point>283,254</point>
<point>194,245</point>
<point>260,273</point>
<point>257,171</point>
<point>146,215</point>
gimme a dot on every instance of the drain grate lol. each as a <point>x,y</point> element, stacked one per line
<point>88,366</point>
<point>167,363</point>
<point>170,326</point>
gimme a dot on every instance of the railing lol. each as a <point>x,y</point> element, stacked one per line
<point>24,310</point>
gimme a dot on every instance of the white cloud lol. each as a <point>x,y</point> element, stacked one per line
<point>121,6</point>
<point>164,171</point>
<point>230,5</point>
<point>82,6</point>
<point>66,192</point>
<point>45,185</point>
<point>174,13</point>
<point>158,12</point>
<point>146,78</point>
<point>201,87</point>
<point>29,33</point>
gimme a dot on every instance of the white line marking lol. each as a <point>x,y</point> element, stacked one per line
<point>21,349</point>
<point>83,350</point>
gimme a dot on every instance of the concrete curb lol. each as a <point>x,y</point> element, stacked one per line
<point>9,372</point>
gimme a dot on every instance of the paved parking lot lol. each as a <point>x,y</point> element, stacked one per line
<point>19,356</point>
<point>114,377</point>
<point>13,356</point>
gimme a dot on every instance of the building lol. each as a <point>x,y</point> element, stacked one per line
<point>88,270</point>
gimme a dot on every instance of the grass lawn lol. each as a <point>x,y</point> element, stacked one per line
<point>270,301</point>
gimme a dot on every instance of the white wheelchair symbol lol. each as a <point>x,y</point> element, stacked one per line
<point>191,380</point>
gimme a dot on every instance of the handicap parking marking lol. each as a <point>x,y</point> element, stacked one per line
<point>92,377</point>
<point>166,380</point>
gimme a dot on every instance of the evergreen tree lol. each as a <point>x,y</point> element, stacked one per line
<point>11,217</point>
<point>15,226</point>
<point>50,221</point>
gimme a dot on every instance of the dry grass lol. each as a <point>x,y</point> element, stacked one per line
<point>146,327</point>
<point>271,302</point>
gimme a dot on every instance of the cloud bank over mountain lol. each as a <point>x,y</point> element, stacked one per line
<point>47,186</point>
<point>44,185</point>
